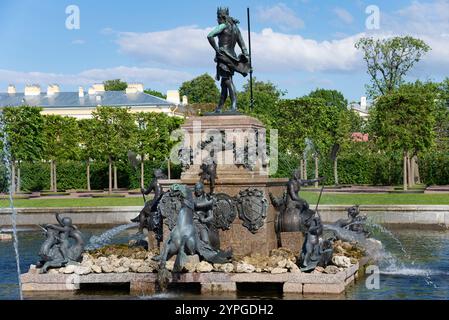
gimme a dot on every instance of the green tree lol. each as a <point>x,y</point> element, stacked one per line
<point>115,85</point>
<point>389,60</point>
<point>331,97</point>
<point>153,137</point>
<point>201,89</point>
<point>115,134</point>
<point>155,93</point>
<point>87,146</point>
<point>23,127</point>
<point>265,97</point>
<point>61,136</point>
<point>404,119</point>
<point>442,117</point>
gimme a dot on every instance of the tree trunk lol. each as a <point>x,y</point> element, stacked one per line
<point>301,169</point>
<point>305,168</point>
<point>115,177</point>
<point>18,176</point>
<point>54,177</point>
<point>142,172</point>
<point>88,174</point>
<point>13,177</point>
<point>169,169</point>
<point>404,179</point>
<point>316,171</point>
<point>418,177</point>
<point>51,175</point>
<point>336,171</point>
<point>110,175</point>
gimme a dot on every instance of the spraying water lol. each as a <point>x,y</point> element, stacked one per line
<point>96,242</point>
<point>7,161</point>
<point>392,265</point>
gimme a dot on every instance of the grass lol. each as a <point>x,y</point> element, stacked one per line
<point>311,197</point>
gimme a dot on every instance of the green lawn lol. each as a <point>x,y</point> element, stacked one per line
<point>311,197</point>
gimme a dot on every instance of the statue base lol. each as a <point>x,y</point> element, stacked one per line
<point>231,179</point>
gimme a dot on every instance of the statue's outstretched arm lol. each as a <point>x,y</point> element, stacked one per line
<point>58,218</point>
<point>151,187</point>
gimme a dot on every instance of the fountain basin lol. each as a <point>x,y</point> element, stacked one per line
<point>211,282</point>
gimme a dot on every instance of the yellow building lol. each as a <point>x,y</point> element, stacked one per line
<point>81,104</point>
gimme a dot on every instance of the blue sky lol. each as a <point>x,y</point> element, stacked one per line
<point>299,45</point>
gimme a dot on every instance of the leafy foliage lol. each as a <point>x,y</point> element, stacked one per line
<point>389,60</point>
<point>201,89</point>
<point>115,85</point>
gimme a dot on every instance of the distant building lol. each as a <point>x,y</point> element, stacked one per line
<point>81,104</point>
<point>360,107</point>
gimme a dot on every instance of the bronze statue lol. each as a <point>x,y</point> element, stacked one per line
<point>204,217</point>
<point>351,229</point>
<point>149,217</point>
<point>209,173</point>
<point>227,60</point>
<point>295,215</point>
<point>184,237</point>
<point>57,250</point>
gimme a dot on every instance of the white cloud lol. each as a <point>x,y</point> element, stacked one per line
<point>272,51</point>
<point>344,15</point>
<point>280,15</point>
<point>149,76</point>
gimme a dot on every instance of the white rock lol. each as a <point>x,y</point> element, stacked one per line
<point>53,271</point>
<point>96,268</point>
<point>245,268</point>
<point>282,263</point>
<point>258,270</point>
<point>82,270</point>
<point>293,267</point>
<point>227,268</point>
<point>134,266</point>
<point>204,266</point>
<point>190,267</point>
<point>341,261</point>
<point>106,268</point>
<point>144,269</point>
<point>331,270</point>
<point>69,269</point>
<point>121,270</point>
<point>169,265</point>
<point>279,270</point>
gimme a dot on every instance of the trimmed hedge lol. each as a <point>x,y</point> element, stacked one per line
<point>357,166</point>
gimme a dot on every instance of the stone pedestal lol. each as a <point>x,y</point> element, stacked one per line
<point>234,177</point>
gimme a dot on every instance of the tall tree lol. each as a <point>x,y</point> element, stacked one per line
<point>331,97</point>
<point>115,85</point>
<point>115,134</point>
<point>201,89</point>
<point>404,119</point>
<point>87,145</point>
<point>389,60</point>
<point>61,136</point>
<point>23,126</point>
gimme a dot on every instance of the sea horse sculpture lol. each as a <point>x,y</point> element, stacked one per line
<point>57,250</point>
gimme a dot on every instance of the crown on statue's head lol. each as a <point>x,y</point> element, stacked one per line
<point>222,11</point>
